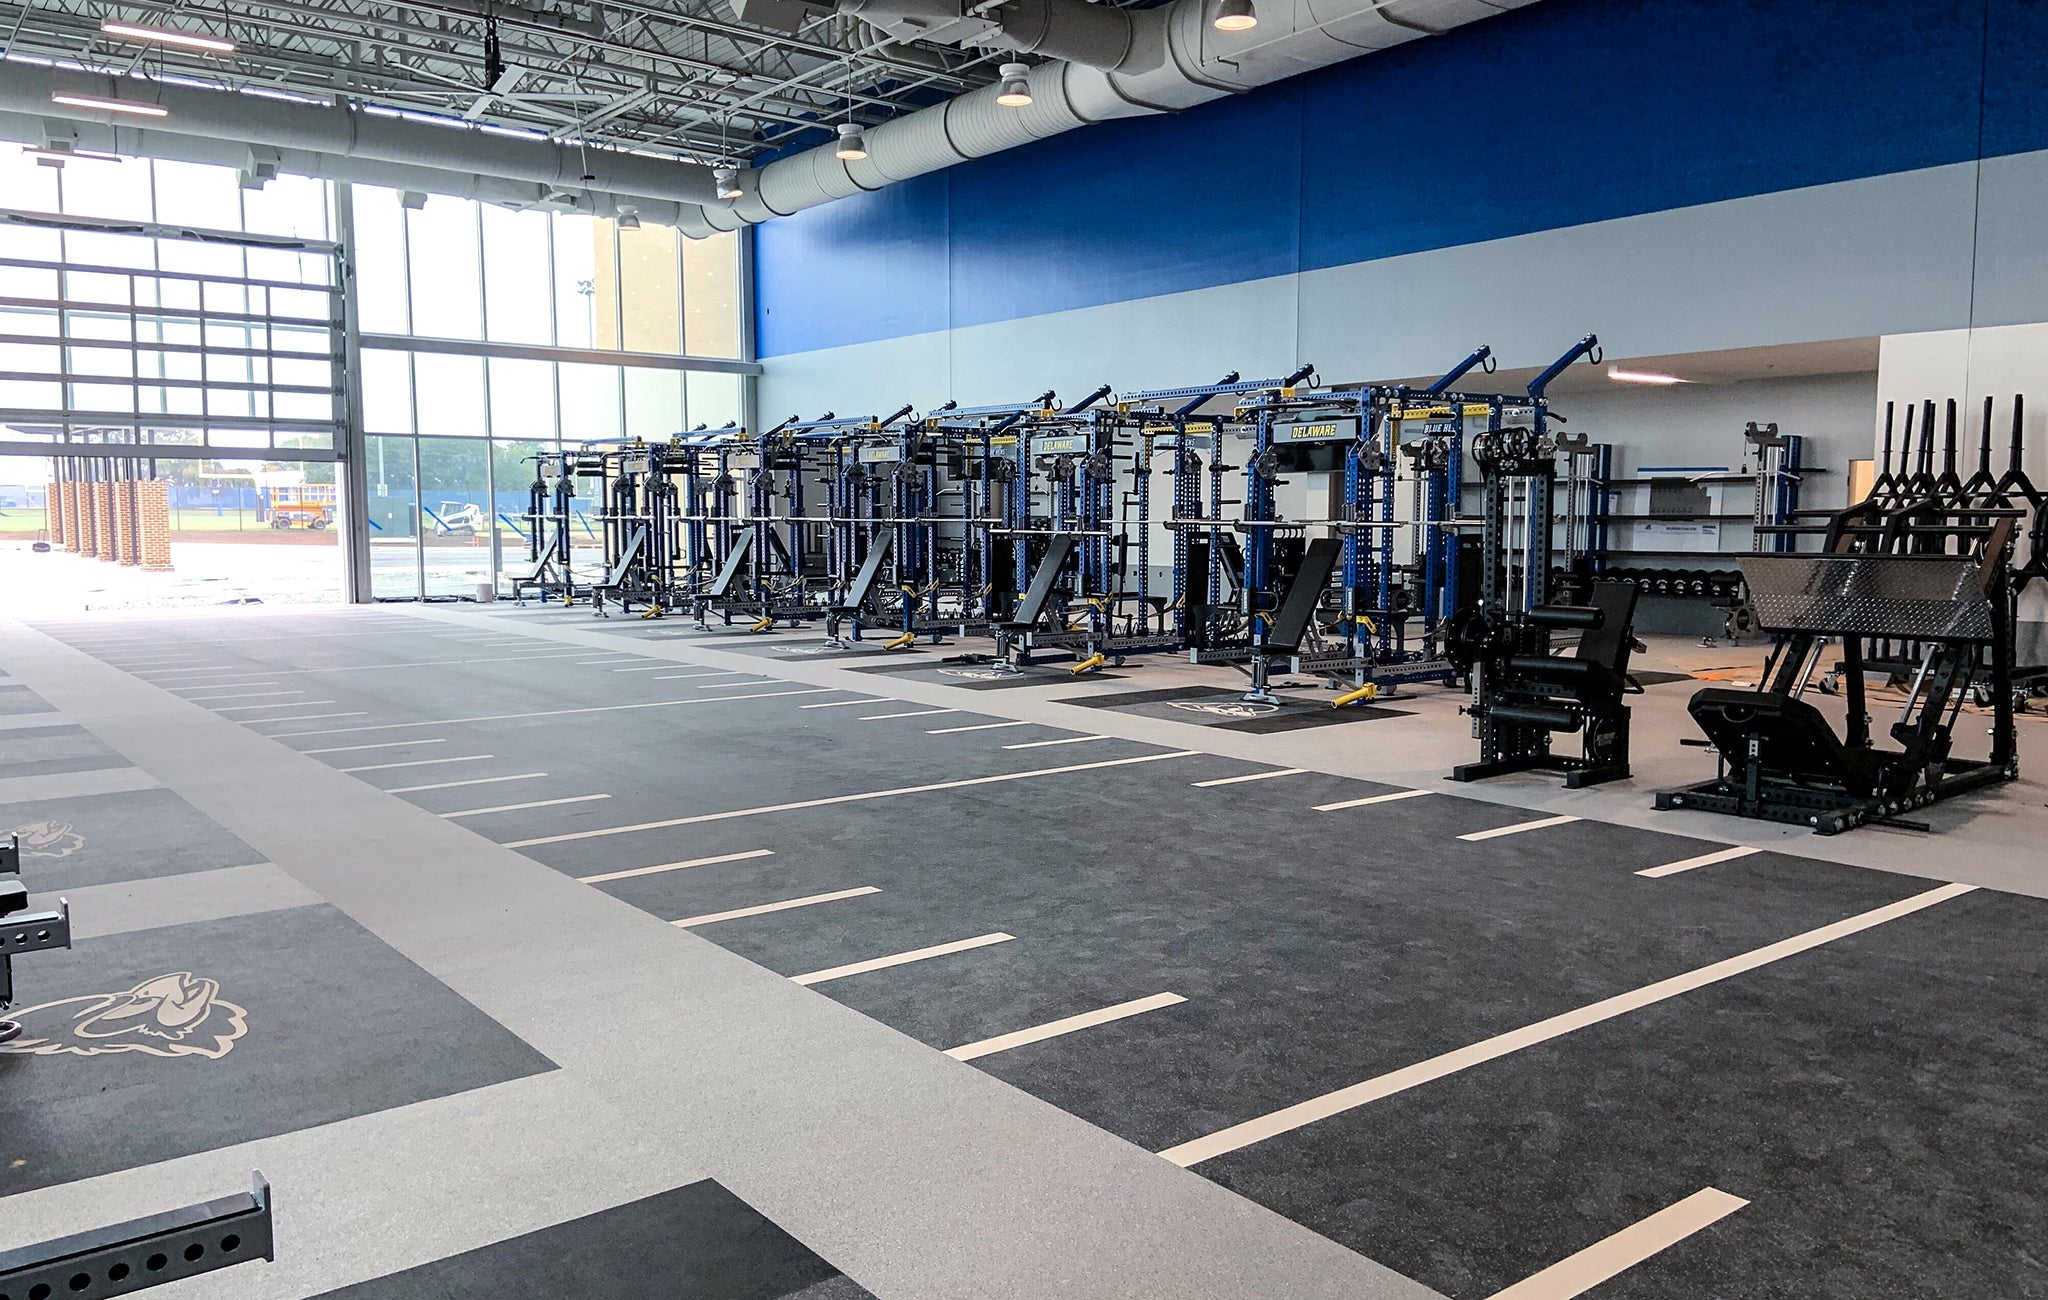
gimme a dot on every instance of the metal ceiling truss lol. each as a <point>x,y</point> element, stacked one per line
<point>685,80</point>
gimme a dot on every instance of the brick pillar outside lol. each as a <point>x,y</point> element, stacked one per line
<point>53,511</point>
<point>103,516</point>
<point>88,518</point>
<point>71,515</point>
<point>153,506</point>
<point>124,522</point>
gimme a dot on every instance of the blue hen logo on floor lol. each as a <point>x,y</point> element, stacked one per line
<point>49,839</point>
<point>179,1014</point>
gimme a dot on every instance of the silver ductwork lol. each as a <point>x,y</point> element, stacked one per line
<point>345,133</point>
<point>1119,63</point>
<point>1104,63</point>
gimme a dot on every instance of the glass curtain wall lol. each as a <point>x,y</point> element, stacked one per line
<point>164,307</point>
<point>484,334</point>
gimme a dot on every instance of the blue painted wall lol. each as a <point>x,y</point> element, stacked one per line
<point>1568,112</point>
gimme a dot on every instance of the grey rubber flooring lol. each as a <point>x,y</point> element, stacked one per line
<point>698,1242</point>
<point>100,839</point>
<point>233,1030</point>
<point>1875,1099</point>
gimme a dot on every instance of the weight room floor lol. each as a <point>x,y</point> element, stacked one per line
<point>1451,1036</point>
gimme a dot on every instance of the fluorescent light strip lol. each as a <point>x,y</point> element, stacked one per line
<point>65,155</point>
<point>112,105</point>
<point>166,36</point>
<point>1620,376</point>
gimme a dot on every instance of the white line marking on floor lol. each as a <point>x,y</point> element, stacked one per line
<point>885,717</point>
<point>712,918</point>
<point>450,785</point>
<point>646,668</point>
<point>846,798</point>
<point>676,866</point>
<point>684,677</point>
<point>1369,800</point>
<point>413,762</point>
<point>383,744</point>
<point>1301,1114</point>
<point>1250,776</point>
<point>1066,1025</point>
<point>243,695</point>
<point>1703,860</point>
<point>522,807</point>
<point>1063,740</point>
<point>725,686</point>
<point>1516,829</point>
<point>281,704</point>
<point>901,958</point>
<point>614,659</point>
<point>979,726</point>
<point>842,704</point>
<point>309,717</point>
<point>545,713</point>
<point>187,672</point>
<point>1608,1258</point>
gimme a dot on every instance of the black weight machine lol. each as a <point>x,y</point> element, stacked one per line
<point>1917,581</point>
<point>1524,695</point>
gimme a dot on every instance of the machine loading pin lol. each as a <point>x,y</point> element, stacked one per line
<point>904,642</point>
<point>1363,694</point>
<point>1088,665</point>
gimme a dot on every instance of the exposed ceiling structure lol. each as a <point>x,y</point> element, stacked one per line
<point>608,108</point>
<point>683,79</point>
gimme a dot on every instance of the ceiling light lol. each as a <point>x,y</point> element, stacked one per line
<point>1016,91</point>
<point>61,155</point>
<point>1620,376</point>
<point>629,218</point>
<point>112,105</point>
<point>1236,16</point>
<point>727,178</point>
<point>411,200</point>
<point>165,36</point>
<point>853,145</point>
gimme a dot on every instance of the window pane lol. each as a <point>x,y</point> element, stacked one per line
<point>447,294</point>
<point>654,404</point>
<point>393,514</point>
<point>455,510</point>
<point>380,260</point>
<point>516,277</point>
<point>576,245</point>
<point>204,259</point>
<point>651,295</point>
<point>590,402</point>
<point>387,392</point>
<point>195,195</point>
<point>522,399</point>
<point>290,267</point>
<point>108,189</point>
<point>450,394</point>
<point>289,205</point>
<point>714,399</point>
<point>28,184</point>
<point>711,296</point>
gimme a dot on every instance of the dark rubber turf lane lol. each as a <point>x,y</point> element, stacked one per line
<point>698,1242</point>
<point>153,1044</point>
<point>1878,1101</point>
<point>103,838</point>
